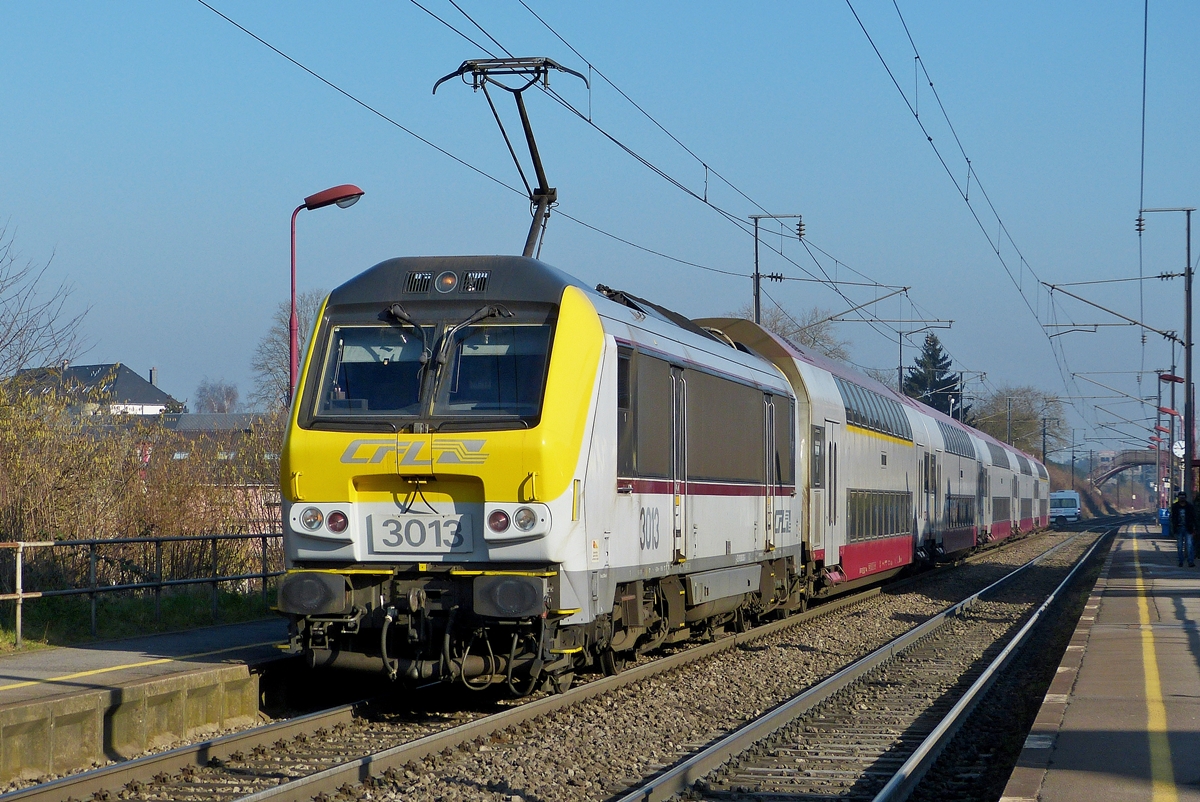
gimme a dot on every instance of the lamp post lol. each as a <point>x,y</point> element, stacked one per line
<point>1171,414</point>
<point>343,195</point>
<point>1189,411</point>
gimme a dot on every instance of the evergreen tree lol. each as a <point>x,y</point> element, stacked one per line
<point>931,381</point>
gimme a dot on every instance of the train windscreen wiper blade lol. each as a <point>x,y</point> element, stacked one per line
<point>397,311</point>
<point>482,313</point>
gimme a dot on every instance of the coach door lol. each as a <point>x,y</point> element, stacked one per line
<point>832,479</point>
<point>679,462</point>
<point>816,489</point>
<point>772,478</point>
<point>981,493</point>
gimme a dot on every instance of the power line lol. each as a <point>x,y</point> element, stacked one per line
<point>345,93</point>
<point>678,184</point>
<point>355,99</point>
<point>1002,232</point>
<point>646,114</point>
<point>1161,276</point>
<point>829,281</point>
<point>1142,170</point>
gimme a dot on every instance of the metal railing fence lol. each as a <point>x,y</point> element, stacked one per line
<point>94,567</point>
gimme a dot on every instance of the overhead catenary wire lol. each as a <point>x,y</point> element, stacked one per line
<point>463,162</point>
<point>1003,233</point>
<point>1160,276</point>
<point>827,280</point>
<point>1142,170</point>
<point>457,159</point>
<point>830,281</point>
<point>671,180</point>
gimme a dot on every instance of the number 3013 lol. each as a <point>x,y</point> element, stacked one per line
<point>649,537</point>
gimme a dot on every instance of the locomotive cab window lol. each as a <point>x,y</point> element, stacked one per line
<point>390,376</point>
<point>372,370</point>
<point>494,371</point>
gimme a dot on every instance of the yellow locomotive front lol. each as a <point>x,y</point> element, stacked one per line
<point>432,468</point>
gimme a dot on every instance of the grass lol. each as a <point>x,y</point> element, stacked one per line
<point>63,620</point>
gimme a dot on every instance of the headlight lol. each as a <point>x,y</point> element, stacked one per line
<point>336,522</point>
<point>509,596</point>
<point>311,593</point>
<point>525,519</point>
<point>311,519</point>
<point>498,521</point>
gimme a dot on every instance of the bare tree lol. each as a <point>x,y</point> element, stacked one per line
<point>216,396</point>
<point>885,376</point>
<point>1023,420</point>
<point>809,329</point>
<point>35,329</point>
<point>270,360</point>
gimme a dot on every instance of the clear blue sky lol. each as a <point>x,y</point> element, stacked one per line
<point>157,151</point>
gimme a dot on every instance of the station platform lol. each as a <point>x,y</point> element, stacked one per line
<point>65,708</point>
<point>1121,719</point>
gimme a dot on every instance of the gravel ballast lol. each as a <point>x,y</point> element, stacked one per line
<point>595,749</point>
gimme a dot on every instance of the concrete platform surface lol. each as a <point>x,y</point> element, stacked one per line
<point>67,708</point>
<point>61,670</point>
<point>1121,719</point>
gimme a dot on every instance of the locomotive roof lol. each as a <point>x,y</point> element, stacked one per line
<point>508,278</point>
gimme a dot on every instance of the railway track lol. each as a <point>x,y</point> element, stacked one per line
<point>872,730</point>
<point>325,751</point>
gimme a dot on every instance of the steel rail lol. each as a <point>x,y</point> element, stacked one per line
<point>684,774</point>
<point>83,785</point>
<point>905,780</point>
<point>117,775</point>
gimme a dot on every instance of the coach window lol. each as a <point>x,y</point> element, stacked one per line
<point>889,423</point>
<point>860,405</point>
<point>626,428</point>
<point>785,440</point>
<point>876,418</point>
<point>817,463</point>
<point>652,404</point>
<point>725,426</point>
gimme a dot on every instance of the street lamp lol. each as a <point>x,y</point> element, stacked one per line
<point>343,195</point>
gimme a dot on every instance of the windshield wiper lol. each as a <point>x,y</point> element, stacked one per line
<point>397,311</point>
<point>482,313</point>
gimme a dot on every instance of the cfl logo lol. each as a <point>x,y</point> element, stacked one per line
<point>448,452</point>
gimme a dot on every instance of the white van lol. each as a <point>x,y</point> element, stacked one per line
<point>1064,507</point>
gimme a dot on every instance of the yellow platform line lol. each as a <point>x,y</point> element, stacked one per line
<point>142,664</point>
<point>1162,774</point>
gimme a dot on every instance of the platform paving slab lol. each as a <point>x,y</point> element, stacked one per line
<point>66,708</point>
<point>1091,741</point>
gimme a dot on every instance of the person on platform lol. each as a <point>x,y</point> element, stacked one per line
<point>1183,525</point>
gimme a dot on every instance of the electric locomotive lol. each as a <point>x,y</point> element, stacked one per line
<point>495,474</point>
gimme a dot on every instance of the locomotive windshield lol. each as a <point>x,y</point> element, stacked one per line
<point>494,370</point>
<point>489,372</point>
<point>372,370</point>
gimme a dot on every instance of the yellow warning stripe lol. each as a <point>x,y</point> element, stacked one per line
<point>157,661</point>
<point>1162,775</point>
